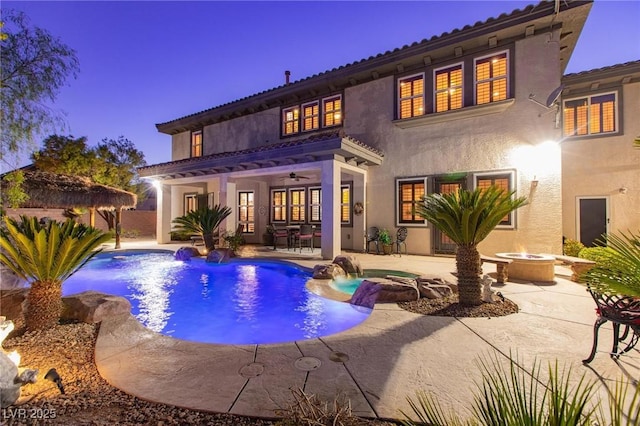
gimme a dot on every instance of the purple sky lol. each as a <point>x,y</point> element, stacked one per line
<point>143,63</point>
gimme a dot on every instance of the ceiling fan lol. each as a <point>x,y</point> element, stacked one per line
<point>294,176</point>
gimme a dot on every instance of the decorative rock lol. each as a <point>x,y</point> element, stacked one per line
<point>434,280</point>
<point>350,264</point>
<point>9,390</point>
<point>221,255</point>
<point>13,303</point>
<point>92,306</point>
<point>328,272</point>
<point>366,294</point>
<point>186,253</point>
<point>393,292</point>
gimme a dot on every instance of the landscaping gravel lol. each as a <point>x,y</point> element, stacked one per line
<point>88,398</point>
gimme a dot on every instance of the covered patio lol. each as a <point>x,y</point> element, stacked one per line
<point>334,165</point>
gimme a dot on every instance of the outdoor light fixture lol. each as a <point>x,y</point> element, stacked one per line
<point>623,190</point>
<point>55,378</point>
<point>534,182</point>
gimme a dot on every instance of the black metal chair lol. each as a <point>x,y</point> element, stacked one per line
<point>401,236</point>
<point>372,237</point>
<point>305,235</point>
<point>280,233</point>
<point>624,314</point>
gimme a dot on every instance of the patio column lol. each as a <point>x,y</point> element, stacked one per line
<point>163,213</point>
<point>331,231</point>
<point>118,225</point>
<point>359,220</point>
<point>228,197</point>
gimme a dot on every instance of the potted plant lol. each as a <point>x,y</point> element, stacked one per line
<point>385,239</point>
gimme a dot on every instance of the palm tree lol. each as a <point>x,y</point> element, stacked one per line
<point>621,272</point>
<point>203,222</point>
<point>467,217</point>
<point>45,255</point>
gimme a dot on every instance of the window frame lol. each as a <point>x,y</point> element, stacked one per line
<point>295,121</point>
<point>301,207</point>
<point>456,65</point>
<point>334,112</point>
<point>196,149</point>
<point>398,200</point>
<point>315,116</point>
<point>511,175</point>
<point>399,97</point>
<point>193,196</point>
<point>249,225</point>
<point>346,205</point>
<point>507,77</point>
<point>588,98</point>
<point>283,207</point>
<point>311,204</point>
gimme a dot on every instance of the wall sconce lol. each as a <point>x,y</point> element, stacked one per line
<point>534,182</point>
<point>623,190</point>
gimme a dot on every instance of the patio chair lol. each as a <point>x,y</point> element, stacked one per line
<point>624,314</point>
<point>372,237</point>
<point>401,236</point>
<point>317,233</point>
<point>280,233</point>
<point>305,235</point>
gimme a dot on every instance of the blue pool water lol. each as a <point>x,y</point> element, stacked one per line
<point>346,285</point>
<point>240,302</point>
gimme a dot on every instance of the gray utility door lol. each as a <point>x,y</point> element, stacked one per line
<point>441,243</point>
<point>592,220</point>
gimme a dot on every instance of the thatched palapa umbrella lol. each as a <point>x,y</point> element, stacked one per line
<point>51,190</point>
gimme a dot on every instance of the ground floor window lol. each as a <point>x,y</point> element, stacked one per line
<point>304,205</point>
<point>279,205</point>
<point>190,202</point>
<point>503,180</point>
<point>298,204</point>
<point>410,192</point>
<point>246,211</point>
<point>345,204</point>
<point>315,205</point>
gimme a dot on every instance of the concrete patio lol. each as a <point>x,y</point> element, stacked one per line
<point>377,364</point>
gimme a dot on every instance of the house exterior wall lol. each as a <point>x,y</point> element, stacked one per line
<point>502,141</point>
<point>600,166</point>
<point>181,146</point>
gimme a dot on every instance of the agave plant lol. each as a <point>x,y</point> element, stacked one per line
<point>467,218</point>
<point>620,272</point>
<point>203,222</point>
<point>45,255</point>
<point>509,395</point>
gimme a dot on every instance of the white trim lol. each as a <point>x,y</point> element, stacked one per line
<point>475,82</point>
<point>399,98</point>
<point>302,116</point>
<point>588,97</point>
<point>512,187</point>
<point>425,179</point>
<point>435,90</point>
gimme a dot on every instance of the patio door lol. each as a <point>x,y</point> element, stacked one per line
<point>592,220</point>
<point>443,185</point>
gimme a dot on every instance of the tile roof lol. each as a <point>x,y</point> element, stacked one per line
<point>269,148</point>
<point>615,67</point>
<point>478,25</point>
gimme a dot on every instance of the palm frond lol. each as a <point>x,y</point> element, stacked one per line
<point>621,272</point>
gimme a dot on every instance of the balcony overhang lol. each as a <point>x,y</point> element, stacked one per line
<point>334,147</point>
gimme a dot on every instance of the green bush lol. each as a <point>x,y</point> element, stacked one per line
<point>572,247</point>
<point>180,236</point>
<point>600,255</point>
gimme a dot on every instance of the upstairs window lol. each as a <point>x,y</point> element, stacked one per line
<point>291,121</point>
<point>410,193</point>
<point>311,116</point>
<point>491,76</point>
<point>196,144</point>
<point>279,205</point>
<point>590,115</point>
<point>332,111</point>
<point>411,96</point>
<point>448,88</point>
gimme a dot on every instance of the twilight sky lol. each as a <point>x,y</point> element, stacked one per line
<point>147,62</point>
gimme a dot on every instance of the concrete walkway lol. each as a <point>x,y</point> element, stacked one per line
<point>378,364</point>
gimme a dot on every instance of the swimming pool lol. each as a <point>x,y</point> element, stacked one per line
<point>349,285</point>
<point>240,302</point>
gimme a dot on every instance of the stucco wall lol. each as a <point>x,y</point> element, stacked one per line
<point>258,129</point>
<point>181,146</point>
<point>508,140</point>
<point>600,166</point>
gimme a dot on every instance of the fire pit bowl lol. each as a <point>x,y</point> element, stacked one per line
<point>530,267</point>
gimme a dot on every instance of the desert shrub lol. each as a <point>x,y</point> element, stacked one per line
<point>600,255</point>
<point>309,410</point>
<point>180,236</point>
<point>572,247</point>
<point>130,233</point>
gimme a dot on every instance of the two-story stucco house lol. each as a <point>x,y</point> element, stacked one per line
<point>359,145</point>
